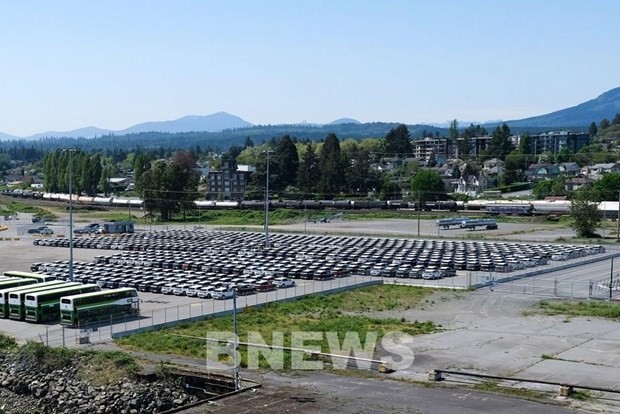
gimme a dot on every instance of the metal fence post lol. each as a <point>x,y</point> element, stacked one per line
<point>63,336</point>
<point>47,337</point>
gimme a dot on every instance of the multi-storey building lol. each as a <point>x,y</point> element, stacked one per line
<point>428,148</point>
<point>229,182</point>
<point>556,141</point>
<point>476,146</point>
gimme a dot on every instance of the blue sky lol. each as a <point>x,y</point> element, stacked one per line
<point>112,64</point>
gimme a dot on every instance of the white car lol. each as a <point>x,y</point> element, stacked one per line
<point>168,288</point>
<point>284,282</point>
<point>205,292</point>
<point>431,274</point>
<point>222,294</point>
<point>192,290</point>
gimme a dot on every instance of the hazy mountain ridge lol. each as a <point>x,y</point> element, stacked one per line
<point>577,117</point>
<point>216,122</point>
<point>605,105</point>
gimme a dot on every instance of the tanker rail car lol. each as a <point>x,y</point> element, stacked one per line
<point>492,207</point>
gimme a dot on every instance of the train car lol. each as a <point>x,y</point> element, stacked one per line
<point>102,201</point>
<point>227,205</point>
<point>278,204</point>
<point>204,204</point>
<point>85,200</point>
<point>510,209</point>
<point>251,204</point>
<point>396,204</point>
<point>342,204</point>
<point>312,205</point>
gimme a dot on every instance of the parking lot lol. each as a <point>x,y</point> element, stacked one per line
<point>179,259</point>
<point>185,274</point>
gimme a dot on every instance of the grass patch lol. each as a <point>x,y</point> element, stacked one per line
<point>34,354</point>
<point>608,310</point>
<point>580,395</point>
<point>339,313</point>
<point>13,207</point>
<point>494,387</point>
<point>105,368</point>
<point>7,342</point>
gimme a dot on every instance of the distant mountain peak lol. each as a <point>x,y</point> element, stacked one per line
<point>345,121</point>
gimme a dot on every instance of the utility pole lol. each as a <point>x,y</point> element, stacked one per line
<point>70,151</point>
<point>235,344</point>
<point>419,208</point>
<point>267,203</point>
<point>611,278</point>
<point>618,220</point>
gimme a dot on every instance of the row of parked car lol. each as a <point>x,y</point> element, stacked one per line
<point>177,282</point>
<point>322,257</point>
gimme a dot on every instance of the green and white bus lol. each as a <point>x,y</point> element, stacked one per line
<point>78,310</point>
<point>45,306</point>
<point>17,298</point>
<point>4,294</point>
<point>10,282</point>
<point>29,275</point>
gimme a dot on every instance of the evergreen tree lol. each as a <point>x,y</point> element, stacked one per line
<point>286,163</point>
<point>593,131</point>
<point>331,166</point>
<point>398,141</point>
<point>309,173</point>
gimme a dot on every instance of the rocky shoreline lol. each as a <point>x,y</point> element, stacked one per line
<point>26,389</point>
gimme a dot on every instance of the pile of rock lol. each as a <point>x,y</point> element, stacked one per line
<point>61,391</point>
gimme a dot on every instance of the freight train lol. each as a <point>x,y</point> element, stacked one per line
<point>493,207</point>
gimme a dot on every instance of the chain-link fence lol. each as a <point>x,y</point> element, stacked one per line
<point>198,309</point>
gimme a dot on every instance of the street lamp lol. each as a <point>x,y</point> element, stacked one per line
<point>70,151</point>
<point>267,202</point>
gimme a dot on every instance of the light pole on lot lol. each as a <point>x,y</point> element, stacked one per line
<point>267,202</point>
<point>235,344</point>
<point>611,279</point>
<point>70,151</point>
<point>618,220</point>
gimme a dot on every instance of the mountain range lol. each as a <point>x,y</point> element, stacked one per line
<point>577,117</point>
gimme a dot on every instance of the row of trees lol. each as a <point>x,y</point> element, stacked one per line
<point>90,174</point>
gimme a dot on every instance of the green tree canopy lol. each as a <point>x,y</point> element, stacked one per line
<point>398,141</point>
<point>607,187</point>
<point>585,213</point>
<point>309,173</point>
<point>169,188</point>
<point>427,185</point>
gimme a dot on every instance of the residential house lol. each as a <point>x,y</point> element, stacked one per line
<point>493,162</point>
<point>542,171</point>
<point>569,168</point>
<point>596,170</point>
<point>576,183</point>
<point>472,185</point>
